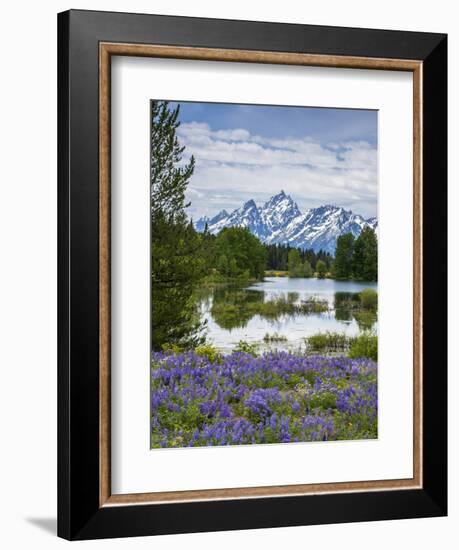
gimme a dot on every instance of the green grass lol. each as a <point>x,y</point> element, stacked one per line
<point>276,273</point>
<point>216,280</point>
<point>326,342</point>
<point>365,345</point>
<point>274,337</point>
<point>272,309</point>
<point>314,305</point>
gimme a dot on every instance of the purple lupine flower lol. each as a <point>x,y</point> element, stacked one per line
<point>242,384</point>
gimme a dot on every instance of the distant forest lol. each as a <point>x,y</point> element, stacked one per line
<point>277,257</point>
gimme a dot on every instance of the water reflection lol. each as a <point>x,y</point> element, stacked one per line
<point>348,307</point>
<point>234,307</point>
<point>294,308</point>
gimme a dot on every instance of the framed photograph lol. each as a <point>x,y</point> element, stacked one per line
<point>252,274</point>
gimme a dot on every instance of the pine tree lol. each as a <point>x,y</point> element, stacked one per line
<point>358,258</point>
<point>168,179</point>
<point>344,257</point>
<point>365,260</point>
<point>176,261</point>
<point>371,257</point>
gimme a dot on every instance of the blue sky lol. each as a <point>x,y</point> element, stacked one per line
<point>316,155</point>
<point>281,122</point>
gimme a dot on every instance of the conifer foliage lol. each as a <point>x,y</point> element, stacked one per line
<point>357,258</point>
<point>176,267</point>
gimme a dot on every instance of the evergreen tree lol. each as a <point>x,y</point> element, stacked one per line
<point>295,265</point>
<point>208,253</point>
<point>365,259</point>
<point>321,268</point>
<point>176,261</point>
<point>168,179</point>
<point>324,256</point>
<point>311,257</point>
<point>344,257</point>
<point>277,256</point>
<point>358,258</point>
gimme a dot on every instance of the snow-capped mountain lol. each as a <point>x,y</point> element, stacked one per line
<point>278,210</point>
<point>279,221</point>
<point>201,223</point>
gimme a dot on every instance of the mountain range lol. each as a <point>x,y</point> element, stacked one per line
<point>280,221</point>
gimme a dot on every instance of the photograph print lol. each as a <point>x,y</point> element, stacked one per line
<point>264,274</point>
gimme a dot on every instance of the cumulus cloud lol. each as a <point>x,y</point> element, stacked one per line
<point>233,165</point>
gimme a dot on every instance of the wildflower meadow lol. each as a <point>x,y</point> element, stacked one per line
<point>278,397</point>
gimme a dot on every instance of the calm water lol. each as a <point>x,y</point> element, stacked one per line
<point>230,312</point>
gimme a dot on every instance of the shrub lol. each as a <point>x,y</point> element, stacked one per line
<point>369,299</point>
<point>209,351</point>
<point>246,347</point>
<point>328,341</point>
<point>365,345</point>
<point>172,348</point>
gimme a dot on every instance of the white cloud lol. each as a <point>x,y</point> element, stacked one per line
<point>232,165</point>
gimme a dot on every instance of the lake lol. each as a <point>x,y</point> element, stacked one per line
<point>245,313</point>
